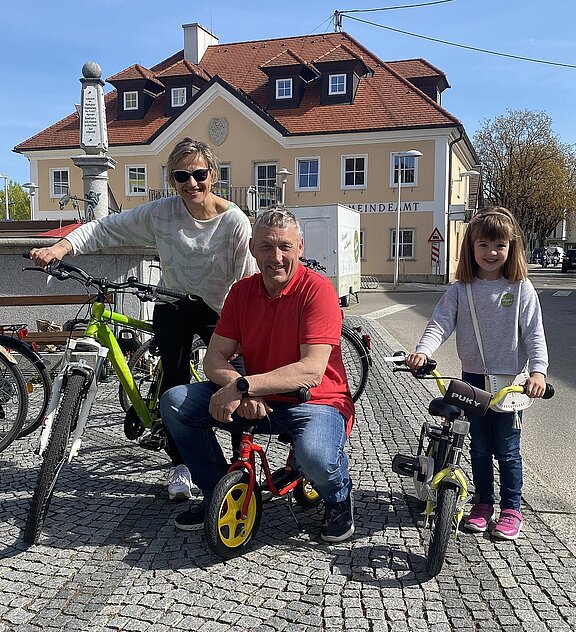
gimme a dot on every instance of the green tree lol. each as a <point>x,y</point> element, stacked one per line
<point>527,169</point>
<point>18,202</point>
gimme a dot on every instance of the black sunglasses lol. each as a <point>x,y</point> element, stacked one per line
<point>182,176</point>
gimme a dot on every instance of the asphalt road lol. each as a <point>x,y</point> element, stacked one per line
<point>549,431</point>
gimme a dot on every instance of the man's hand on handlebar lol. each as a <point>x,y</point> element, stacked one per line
<point>253,408</point>
<point>416,361</point>
<point>43,256</point>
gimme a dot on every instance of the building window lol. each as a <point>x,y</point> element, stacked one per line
<point>59,182</point>
<point>135,179</point>
<point>363,245</point>
<point>406,244</point>
<point>130,100</point>
<point>307,174</point>
<point>283,88</point>
<point>354,174</point>
<point>178,97</point>
<point>265,176</point>
<point>222,187</point>
<point>406,167</point>
<point>337,84</point>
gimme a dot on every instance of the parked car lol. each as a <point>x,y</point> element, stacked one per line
<point>536,256</point>
<point>569,261</point>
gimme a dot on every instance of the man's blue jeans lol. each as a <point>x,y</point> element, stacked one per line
<point>494,436</point>
<point>318,433</point>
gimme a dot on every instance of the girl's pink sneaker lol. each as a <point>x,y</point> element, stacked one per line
<point>508,525</point>
<point>479,517</point>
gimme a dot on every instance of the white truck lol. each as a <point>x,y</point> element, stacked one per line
<point>332,237</point>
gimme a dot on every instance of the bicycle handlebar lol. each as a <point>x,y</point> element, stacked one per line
<point>460,393</point>
<point>146,292</point>
<point>303,394</point>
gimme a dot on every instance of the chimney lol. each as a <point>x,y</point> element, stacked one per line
<point>196,41</point>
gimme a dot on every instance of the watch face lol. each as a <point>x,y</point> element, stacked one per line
<point>242,385</point>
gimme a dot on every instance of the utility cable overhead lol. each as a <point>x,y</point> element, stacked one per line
<point>474,48</point>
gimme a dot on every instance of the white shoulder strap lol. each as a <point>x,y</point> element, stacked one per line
<point>475,322</point>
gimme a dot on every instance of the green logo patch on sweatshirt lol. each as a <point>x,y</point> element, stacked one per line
<point>507,299</point>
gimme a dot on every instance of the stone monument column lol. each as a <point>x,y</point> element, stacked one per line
<point>94,140</point>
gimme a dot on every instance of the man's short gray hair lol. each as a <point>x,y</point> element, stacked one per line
<point>277,217</point>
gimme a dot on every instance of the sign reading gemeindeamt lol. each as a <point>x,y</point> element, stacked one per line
<point>386,207</point>
<point>93,134</point>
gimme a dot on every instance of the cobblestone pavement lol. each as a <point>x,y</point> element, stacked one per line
<point>111,559</point>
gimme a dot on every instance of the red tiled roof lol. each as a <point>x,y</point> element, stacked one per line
<point>386,100</point>
<point>133,72</point>
<point>183,68</point>
<point>413,68</point>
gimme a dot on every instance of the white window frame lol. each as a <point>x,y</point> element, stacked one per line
<point>129,181</point>
<point>178,97</point>
<point>63,187</point>
<point>299,161</point>
<point>223,185</point>
<point>337,84</point>
<point>267,193</point>
<point>407,237</point>
<point>284,88</point>
<point>131,95</point>
<point>409,165</point>
<point>343,171</point>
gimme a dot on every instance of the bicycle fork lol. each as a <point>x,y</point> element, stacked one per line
<point>91,387</point>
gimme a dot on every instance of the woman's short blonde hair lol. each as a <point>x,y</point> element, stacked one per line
<point>190,146</point>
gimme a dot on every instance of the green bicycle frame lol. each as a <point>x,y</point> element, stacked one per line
<point>99,330</point>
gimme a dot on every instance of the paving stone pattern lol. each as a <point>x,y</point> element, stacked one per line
<point>111,559</point>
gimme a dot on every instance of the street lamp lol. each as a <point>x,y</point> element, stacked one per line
<point>32,188</point>
<point>283,174</point>
<point>411,153</point>
<point>6,196</point>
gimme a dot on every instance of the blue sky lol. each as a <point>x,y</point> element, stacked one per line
<point>43,46</point>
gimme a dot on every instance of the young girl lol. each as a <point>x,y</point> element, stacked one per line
<point>510,322</point>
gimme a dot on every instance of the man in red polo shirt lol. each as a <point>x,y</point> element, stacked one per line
<point>288,323</point>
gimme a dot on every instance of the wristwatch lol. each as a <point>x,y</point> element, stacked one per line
<point>242,386</point>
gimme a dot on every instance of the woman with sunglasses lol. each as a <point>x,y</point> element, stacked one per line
<point>202,241</point>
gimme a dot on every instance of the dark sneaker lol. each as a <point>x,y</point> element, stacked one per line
<point>191,519</point>
<point>338,523</point>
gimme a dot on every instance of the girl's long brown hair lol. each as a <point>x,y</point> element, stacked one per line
<point>493,223</point>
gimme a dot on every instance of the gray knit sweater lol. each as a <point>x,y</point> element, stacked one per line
<point>202,257</point>
<point>511,329</point>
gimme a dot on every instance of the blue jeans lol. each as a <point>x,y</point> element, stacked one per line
<point>494,436</point>
<point>318,433</point>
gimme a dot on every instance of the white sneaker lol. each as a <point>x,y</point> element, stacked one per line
<point>180,483</point>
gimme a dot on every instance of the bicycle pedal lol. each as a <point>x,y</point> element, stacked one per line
<point>404,465</point>
<point>155,439</point>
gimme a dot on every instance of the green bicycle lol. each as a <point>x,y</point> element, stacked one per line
<point>75,387</point>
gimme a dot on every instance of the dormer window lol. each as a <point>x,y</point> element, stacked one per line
<point>178,97</point>
<point>131,100</point>
<point>337,84</point>
<point>284,88</point>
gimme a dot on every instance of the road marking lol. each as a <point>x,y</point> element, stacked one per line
<point>562,293</point>
<point>387,311</point>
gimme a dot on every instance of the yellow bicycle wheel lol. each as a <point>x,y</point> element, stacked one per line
<point>227,531</point>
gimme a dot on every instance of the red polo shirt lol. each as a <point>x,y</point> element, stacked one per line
<point>271,330</point>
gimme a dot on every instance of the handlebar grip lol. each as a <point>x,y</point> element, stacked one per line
<point>303,394</point>
<point>549,392</point>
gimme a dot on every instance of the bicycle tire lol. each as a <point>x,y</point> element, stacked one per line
<point>356,361</point>
<point>229,535</point>
<point>441,528</point>
<point>13,401</point>
<point>54,456</point>
<point>38,383</point>
<point>145,366</point>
